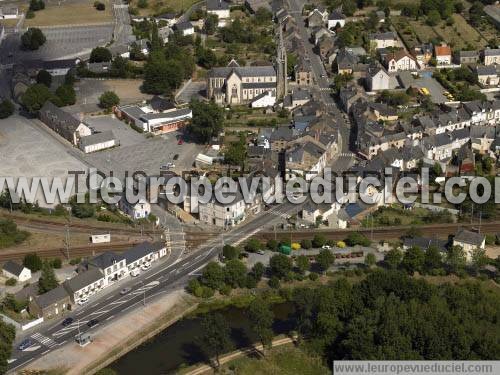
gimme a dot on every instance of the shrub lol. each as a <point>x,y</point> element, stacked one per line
<point>341,244</point>
<point>295,246</point>
<point>313,276</point>
<point>274,282</point>
<point>11,282</point>
<point>56,263</point>
<point>306,244</point>
<point>75,261</point>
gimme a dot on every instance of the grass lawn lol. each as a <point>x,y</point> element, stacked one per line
<point>460,34</point>
<point>71,14</point>
<point>424,32</point>
<point>283,360</point>
<point>396,215</point>
<point>156,7</point>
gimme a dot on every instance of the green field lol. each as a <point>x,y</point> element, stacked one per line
<point>156,7</point>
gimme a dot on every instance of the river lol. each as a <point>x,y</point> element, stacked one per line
<point>179,344</point>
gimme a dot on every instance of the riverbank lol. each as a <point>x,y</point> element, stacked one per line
<point>119,337</point>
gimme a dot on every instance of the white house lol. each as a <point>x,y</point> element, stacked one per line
<point>398,61</point>
<point>377,78</point>
<point>16,271</point>
<point>443,55</point>
<point>383,40</point>
<point>487,75</point>
<point>224,215</point>
<point>139,210</point>
<point>220,8</point>
<point>491,56</point>
<point>185,28</point>
<point>85,284</point>
<point>112,265</point>
<point>98,141</point>
<point>145,252</point>
<point>336,19</point>
<point>264,100</point>
<point>469,241</point>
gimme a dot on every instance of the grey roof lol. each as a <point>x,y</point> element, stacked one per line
<point>468,54</point>
<point>217,5</point>
<point>166,115</point>
<point>53,296</point>
<point>469,237</point>
<point>97,138</point>
<point>424,243</point>
<point>492,52</point>
<point>161,104</point>
<point>181,26</point>
<point>141,250</point>
<point>259,85</point>
<point>59,120</point>
<point>282,132</point>
<point>483,132</point>
<point>383,36</point>
<point>336,15</point>
<point>106,259</point>
<point>13,267</point>
<point>488,70</point>
<point>167,16</point>
<point>243,71</point>
<point>132,111</point>
<point>345,59</point>
<point>301,94</point>
<point>83,280</point>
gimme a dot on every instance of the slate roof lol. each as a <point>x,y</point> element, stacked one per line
<point>183,26</point>
<point>258,85</point>
<point>141,250</point>
<point>161,104</point>
<point>97,138</point>
<point>492,52</point>
<point>469,237</point>
<point>488,70</point>
<point>106,259</point>
<point>383,36</point>
<point>243,71</point>
<point>424,243</point>
<point>346,60</point>
<point>166,115</point>
<point>336,15</point>
<point>13,267</point>
<point>59,120</point>
<point>83,279</point>
<point>52,296</point>
<point>132,111</point>
<point>217,5</point>
<point>301,94</point>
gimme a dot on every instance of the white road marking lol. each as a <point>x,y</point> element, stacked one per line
<point>45,352</point>
<point>109,317</point>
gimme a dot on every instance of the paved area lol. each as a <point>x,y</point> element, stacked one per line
<point>424,80</point>
<point>124,133</point>
<point>192,90</point>
<point>62,42</point>
<point>27,150</point>
<point>89,90</point>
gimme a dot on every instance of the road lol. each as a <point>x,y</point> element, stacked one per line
<point>322,90</point>
<point>146,286</point>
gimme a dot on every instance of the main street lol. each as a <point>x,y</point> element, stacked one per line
<point>323,85</point>
<point>176,270</point>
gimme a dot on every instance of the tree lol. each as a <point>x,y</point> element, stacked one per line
<point>36,5</point>
<point>258,271</point>
<point>230,252</point>
<point>433,259</point>
<point>213,276</point>
<point>33,39</point>
<point>303,264</point>
<point>456,258</point>
<point>47,280</point>
<point>356,238</point>
<point>44,77</point>
<point>66,93</point>
<point>100,54</point>
<point>479,258</point>
<point>318,241</point>
<point>393,258</point>
<point>261,320</point>
<point>108,100</point>
<point>99,6</point>
<point>272,244</point>
<point>33,262</point>
<point>325,259</point>
<point>413,260</point>
<point>35,97</point>
<point>215,335</point>
<point>143,4</point>
<point>7,336</point>
<point>280,265</point>
<point>119,67</point>
<point>253,245</point>
<point>211,23</point>
<point>433,18</point>
<point>6,108</point>
<point>370,259</point>
<point>207,120</point>
<point>235,273</point>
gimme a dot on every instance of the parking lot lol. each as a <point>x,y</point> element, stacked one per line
<point>139,152</point>
<point>62,42</point>
<point>435,89</point>
<point>192,90</point>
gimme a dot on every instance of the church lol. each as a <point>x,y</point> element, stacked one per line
<point>236,84</point>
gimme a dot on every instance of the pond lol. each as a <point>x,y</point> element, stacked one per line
<point>179,345</point>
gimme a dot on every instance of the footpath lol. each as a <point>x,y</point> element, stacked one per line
<point>114,339</point>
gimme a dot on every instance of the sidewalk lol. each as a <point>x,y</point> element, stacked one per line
<point>118,337</point>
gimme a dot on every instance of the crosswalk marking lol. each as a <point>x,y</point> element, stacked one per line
<point>47,341</point>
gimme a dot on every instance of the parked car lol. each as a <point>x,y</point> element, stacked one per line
<point>260,252</point>
<point>145,266</point>
<point>135,272</point>
<point>125,291</point>
<point>67,321</point>
<point>92,322</point>
<point>180,141</point>
<point>25,344</point>
<point>327,247</point>
<point>83,301</point>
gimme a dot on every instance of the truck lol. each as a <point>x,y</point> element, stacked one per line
<point>285,249</point>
